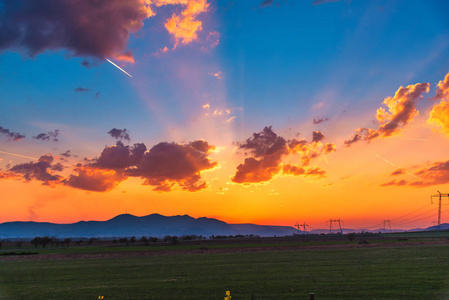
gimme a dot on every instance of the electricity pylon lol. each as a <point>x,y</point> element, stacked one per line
<point>439,208</point>
<point>385,225</point>
<point>304,227</point>
<point>339,222</point>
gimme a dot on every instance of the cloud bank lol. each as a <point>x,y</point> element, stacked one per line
<point>164,166</point>
<point>400,110</point>
<point>97,29</point>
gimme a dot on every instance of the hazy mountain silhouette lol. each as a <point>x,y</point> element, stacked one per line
<point>129,225</point>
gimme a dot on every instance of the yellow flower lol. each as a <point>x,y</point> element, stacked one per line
<point>228,295</point>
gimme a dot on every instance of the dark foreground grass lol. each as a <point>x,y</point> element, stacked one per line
<point>408,272</point>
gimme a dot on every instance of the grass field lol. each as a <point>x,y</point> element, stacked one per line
<point>400,272</point>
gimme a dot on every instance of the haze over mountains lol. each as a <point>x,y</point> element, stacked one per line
<point>128,225</point>
<point>156,225</point>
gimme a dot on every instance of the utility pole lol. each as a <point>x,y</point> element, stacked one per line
<point>339,222</point>
<point>297,226</point>
<point>385,225</point>
<point>439,208</point>
<point>304,227</point>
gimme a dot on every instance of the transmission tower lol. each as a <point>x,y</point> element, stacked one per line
<point>297,226</point>
<point>339,222</point>
<point>387,223</point>
<point>439,208</point>
<point>305,227</point>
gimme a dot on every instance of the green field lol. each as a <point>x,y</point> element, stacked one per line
<point>400,272</point>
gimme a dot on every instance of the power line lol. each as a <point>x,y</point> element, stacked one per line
<point>411,212</point>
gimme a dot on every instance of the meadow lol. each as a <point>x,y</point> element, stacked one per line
<point>331,271</point>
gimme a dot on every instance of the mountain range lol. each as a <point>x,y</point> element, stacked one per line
<point>156,225</point>
<point>127,225</point>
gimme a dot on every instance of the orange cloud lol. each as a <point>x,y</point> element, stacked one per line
<point>400,110</point>
<point>443,88</point>
<point>394,183</point>
<point>436,173</point>
<point>184,26</point>
<point>268,151</point>
<point>95,179</point>
<point>439,115</point>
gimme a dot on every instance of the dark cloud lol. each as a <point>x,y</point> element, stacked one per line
<point>399,171</point>
<point>57,167</point>
<point>169,163</point>
<point>89,64</point>
<point>318,120</point>
<point>120,157</point>
<point>35,171</point>
<point>119,134</point>
<point>81,89</point>
<point>51,135</point>
<point>268,150</point>
<point>67,153</point>
<point>401,110</point>
<point>12,136</point>
<point>317,136</point>
<point>98,29</point>
<point>164,166</point>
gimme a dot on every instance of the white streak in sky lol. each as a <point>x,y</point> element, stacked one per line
<point>387,161</point>
<point>18,155</point>
<point>119,68</point>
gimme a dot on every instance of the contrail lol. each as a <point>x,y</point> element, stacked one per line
<point>18,155</point>
<point>24,156</point>
<point>119,68</point>
<point>387,161</point>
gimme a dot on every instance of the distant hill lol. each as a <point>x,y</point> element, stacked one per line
<point>156,225</point>
<point>129,225</point>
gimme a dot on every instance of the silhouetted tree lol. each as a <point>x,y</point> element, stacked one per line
<point>36,241</point>
<point>114,241</point>
<point>19,244</point>
<point>124,241</point>
<point>45,241</point>
<point>67,241</point>
<point>351,236</point>
<point>79,242</point>
<point>92,240</point>
<point>144,240</point>
<point>132,239</point>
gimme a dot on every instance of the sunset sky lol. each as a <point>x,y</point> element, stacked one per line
<point>267,112</point>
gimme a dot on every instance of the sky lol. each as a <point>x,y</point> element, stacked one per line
<point>272,112</point>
